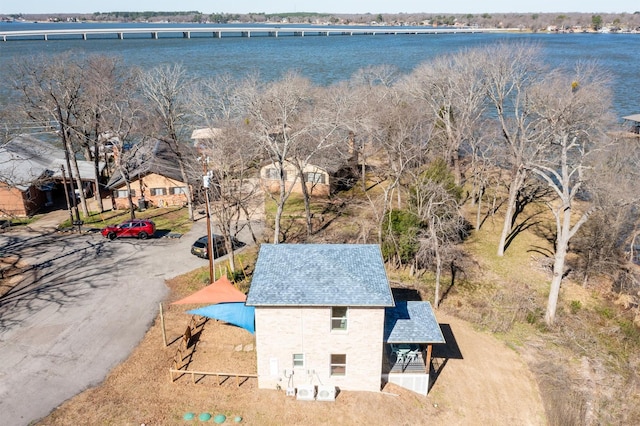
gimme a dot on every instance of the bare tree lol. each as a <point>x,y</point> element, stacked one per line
<point>484,172</point>
<point>362,96</point>
<point>278,117</point>
<point>108,83</point>
<point>125,115</point>
<point>401,139</point>
<point>324,142</point>
<point>509,71</point>
<point>229,154</point>
<point>165,88</point>
<point>574,113</point>
<point>51,90</point>
<point>451,91</point>
<point>233,188</point>
<point>436,203</point>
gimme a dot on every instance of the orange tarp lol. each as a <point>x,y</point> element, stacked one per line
<point>221,291</point>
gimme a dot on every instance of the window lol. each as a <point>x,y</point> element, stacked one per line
<point>314,177</point>
<point>339,318</point>
<point>158,191</point>
<point>338,364</point>
<point>178,190</point>
<point>122,193</point>
<point>274,173</point>
<point>298,360</point>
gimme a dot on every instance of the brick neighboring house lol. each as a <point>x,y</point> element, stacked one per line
<point>31,176</point>
<point>325,315</point>
<point>156,181</point>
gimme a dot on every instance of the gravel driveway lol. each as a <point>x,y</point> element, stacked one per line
<point>79,311</point>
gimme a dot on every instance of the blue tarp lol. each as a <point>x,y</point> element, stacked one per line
<point>236,313</point>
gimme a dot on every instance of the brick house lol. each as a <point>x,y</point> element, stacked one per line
<point>155,181</point>
<point>325,315</point>
<point>31,176</point>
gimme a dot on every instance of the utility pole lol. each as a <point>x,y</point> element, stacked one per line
<point>206,177</point>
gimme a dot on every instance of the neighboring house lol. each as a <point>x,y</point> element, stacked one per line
<point>31,176</point>
<point>634,119</point>
<point>325,315</point>
<point>320,181</point>
<point>155,180</point>
<point>317,179</point>
<point>205,137</point>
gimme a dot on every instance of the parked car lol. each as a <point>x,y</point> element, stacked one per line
<point>140,228</point>
<point>200,248</point>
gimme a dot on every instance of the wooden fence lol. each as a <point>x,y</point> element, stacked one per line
<point>207,373</point>
<point>179,368</point>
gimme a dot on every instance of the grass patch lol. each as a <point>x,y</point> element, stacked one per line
<point>171,218</point>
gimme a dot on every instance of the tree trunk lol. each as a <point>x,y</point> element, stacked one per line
<point>436,249</point>
<point>96,168</point>
<point>185,179</point>
<point>558,271</point>
<point>455,164</point>
<point>516,184</point>
<point>276,227</point>
<point>479,207</point>
<point>307,202</point>
<point>132,212</point>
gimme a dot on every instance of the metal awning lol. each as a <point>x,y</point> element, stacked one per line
<point>411,322</point>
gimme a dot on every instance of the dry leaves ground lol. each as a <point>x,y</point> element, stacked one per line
<point>489,385</point>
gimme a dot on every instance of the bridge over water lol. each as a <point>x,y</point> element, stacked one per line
<point>219,32</point>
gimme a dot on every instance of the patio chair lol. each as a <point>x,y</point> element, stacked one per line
<point>412,356</point>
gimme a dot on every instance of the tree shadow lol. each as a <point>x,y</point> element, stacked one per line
<point>405,294</point>
<point>491,212</point>
<point>529,194</point>
<point>71,273</point>
<point>442,353</point>
<point>526,224</point>
<point>454,271</point>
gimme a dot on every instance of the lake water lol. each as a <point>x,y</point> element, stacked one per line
<point>326,60</point>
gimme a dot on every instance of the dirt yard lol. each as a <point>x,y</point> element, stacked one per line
<point>483,382</point>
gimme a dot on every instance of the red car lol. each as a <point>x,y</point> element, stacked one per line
<point>140,228</point>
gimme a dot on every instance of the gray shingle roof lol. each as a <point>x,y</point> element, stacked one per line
<point>25,159</point>
<point>411,322</point>
<point>160,159</point>
<point>320,275</point>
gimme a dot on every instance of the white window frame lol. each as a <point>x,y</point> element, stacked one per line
<point>337,365</point>
<point>314,177</point>
<point>298,361</point>
<point>122,193</point>
<point>339,322</point>
<point>273,173</point>
<point>176,190</point>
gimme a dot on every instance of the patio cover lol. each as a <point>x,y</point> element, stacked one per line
<point>411,322</point>
<point>633,117</point>
<point>221,291</point>
<point>236,313</point>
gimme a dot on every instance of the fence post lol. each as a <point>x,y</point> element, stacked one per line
<point>164,333</point>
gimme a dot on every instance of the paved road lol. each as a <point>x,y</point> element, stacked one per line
<point>82,308</point>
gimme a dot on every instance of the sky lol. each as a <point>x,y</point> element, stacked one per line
<point>324,6</point>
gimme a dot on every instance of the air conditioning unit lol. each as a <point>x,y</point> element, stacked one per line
<point>306,393</point>
<point>291,391</point>
<point>326,393</point>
